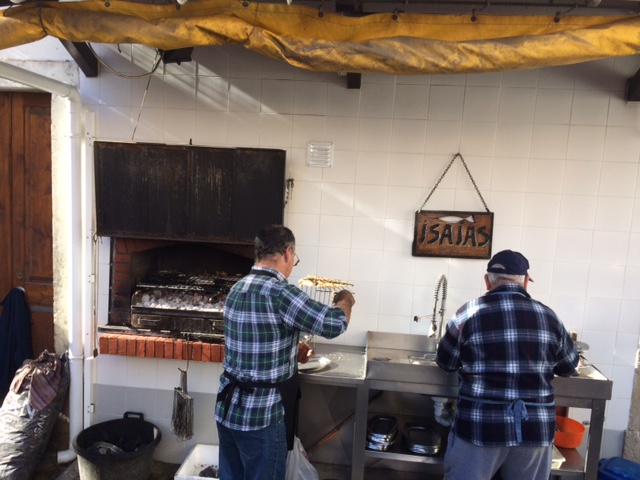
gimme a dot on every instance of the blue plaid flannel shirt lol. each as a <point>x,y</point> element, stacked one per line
<point>506,347</point>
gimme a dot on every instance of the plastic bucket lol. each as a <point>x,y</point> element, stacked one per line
<point>569,432</point>
<point>117,449</point>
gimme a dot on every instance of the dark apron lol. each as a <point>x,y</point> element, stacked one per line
<point>515,408</point>
<point>289,391</point>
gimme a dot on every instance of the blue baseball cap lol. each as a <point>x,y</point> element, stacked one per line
<point>509,263</point>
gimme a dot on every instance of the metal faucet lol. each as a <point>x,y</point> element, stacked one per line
<point>437,328</point>
<point>441,292</point>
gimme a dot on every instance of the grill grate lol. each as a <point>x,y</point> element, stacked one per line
<point>322,289</point>
<point>212,283</point>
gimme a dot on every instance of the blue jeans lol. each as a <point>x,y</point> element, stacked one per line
<point>253,455</point>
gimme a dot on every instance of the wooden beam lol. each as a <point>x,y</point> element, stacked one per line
<point>633,88</point>
<point>177,56</point>
<point>354,80</point>
<point>83,56</point>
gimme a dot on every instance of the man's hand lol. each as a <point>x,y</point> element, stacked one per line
<point>304,352</point>
<point>344,300</point>
<point>344,296</point>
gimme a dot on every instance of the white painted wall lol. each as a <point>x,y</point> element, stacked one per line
<point>555,153</point>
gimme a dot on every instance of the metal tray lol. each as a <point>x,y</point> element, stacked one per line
<point>421,439</point>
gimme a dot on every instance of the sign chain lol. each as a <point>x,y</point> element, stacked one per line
<point>445,172</point>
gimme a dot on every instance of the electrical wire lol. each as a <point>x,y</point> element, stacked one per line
<point>157,61</point>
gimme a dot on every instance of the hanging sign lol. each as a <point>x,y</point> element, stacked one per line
<point>445,233</point>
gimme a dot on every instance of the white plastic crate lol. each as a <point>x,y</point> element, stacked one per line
<point>200,457</point>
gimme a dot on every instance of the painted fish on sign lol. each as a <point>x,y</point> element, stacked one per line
<point>452,234</point>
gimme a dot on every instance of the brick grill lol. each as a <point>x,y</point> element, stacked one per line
<point>159,347</point>
<point>127,273</point>
<point>123,278</point>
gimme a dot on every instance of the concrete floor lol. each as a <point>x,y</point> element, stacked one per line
<point>51,471</point>
<point>48,470</point>
<point>338,472</point>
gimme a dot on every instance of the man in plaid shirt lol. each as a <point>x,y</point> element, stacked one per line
<point>506,348</point>
<point>263,317</point>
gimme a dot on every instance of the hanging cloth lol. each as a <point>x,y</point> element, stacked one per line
<point>312,39</point>
<point>15,336</point>
<point>41,377</point>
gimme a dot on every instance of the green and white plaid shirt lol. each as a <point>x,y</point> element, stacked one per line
<point>263,315</point>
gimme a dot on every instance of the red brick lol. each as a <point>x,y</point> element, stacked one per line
<point>120,245</point>
<point>121,278</point>
<point>104,344</point>
<point>178,348</point>
<point>206,352</point>
<point>141,346</point>
<point>122,267</point>
<point>113,344</point>
<point>187,350</point>
<point>132,344</point>
<point>196,351</point>
<point>168,348</point>
<point>159,347</point>
<point>122,345</point>
<point>135,245</point>
<point>150,347</point>
<point>122,258</point>
<point>216,353</point>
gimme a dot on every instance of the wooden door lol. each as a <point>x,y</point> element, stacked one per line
<point>26,246</point>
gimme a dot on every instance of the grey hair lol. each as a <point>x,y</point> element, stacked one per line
<point>272,240</point>
<point>497,279</point>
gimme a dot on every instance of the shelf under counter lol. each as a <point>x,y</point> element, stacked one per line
<point>398,450</point>
<point>573,465</point>
<point>589,389</point>
<point>400,453</point>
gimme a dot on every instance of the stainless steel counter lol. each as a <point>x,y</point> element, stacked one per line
<point>385,365</point>
<point>347,367</point>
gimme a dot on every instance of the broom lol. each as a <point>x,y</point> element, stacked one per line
<point>182,416</point>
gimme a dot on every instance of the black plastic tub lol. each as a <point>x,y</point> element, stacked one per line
<point>117,449</point>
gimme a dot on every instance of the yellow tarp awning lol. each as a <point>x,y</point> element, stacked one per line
<point>401,44</point>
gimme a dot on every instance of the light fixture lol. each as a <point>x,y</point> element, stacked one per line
<point>320,154</point>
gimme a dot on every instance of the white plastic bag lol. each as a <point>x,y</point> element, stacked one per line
<point>298,465</point>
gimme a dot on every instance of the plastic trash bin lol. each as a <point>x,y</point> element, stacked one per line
<point>617,468</point>
<point>117,449</point>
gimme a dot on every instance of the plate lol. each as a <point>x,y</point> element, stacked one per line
<point>314,363</point>
<point>580,346</point>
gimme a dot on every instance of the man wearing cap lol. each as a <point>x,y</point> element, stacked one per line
<point>506,348</point>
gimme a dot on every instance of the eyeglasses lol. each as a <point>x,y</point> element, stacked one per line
<point>295,264</point>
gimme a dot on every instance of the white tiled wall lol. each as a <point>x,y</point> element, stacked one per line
<point>555,153</point>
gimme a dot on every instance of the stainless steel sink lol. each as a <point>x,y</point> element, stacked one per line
<point>404,358</point>
<point>424,359</point>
